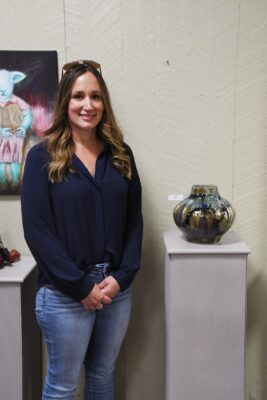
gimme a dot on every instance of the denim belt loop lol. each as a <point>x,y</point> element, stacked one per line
<point>106,268</point>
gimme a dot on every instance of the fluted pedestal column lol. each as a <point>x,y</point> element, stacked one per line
<point>205,300</point>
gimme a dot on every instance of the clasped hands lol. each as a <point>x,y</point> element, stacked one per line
<point>102,293</point>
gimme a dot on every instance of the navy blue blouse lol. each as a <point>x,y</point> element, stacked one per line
<point>80,221</point>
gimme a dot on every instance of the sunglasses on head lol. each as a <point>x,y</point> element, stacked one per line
<point>73,64</point>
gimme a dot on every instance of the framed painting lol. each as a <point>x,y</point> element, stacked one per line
<point>28,84</point>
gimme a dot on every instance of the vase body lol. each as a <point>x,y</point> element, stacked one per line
<point>204,216</point>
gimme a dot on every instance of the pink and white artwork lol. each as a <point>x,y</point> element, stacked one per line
<point>28,83</point>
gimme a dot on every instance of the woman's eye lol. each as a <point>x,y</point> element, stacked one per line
<point>77,96</point>
<point>96,97</point>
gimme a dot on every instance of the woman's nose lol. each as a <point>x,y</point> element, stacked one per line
<point>87,103</point>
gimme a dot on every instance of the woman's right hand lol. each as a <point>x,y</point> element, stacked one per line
<point>95,299</point>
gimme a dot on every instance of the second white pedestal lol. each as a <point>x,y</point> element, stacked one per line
<point>205,318</point>
<point>20,339</point>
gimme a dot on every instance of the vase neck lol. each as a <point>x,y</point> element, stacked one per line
<point>204,190</point>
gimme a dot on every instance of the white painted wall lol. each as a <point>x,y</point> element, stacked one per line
<point>188,79</point>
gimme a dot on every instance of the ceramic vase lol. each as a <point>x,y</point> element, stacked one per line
<point>204,216</point>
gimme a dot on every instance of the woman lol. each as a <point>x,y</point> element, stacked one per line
<point>81,209</point>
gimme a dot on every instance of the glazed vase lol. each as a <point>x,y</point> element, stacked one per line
<point>204,216</point>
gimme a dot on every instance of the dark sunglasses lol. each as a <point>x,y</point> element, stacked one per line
<point>73,64</point>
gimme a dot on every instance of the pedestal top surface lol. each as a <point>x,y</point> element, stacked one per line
<point>18,271</point>
<point>230,243</point>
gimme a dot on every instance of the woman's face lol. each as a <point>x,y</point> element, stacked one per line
<point>86,105</point>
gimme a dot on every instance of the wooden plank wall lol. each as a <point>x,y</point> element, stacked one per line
<point>188,83</point>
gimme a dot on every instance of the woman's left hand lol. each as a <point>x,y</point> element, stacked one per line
<point>109,286</point>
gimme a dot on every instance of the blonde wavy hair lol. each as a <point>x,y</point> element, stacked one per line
<point>59,140</point>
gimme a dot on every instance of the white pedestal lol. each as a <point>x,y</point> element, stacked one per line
<point>205,300</point>
<point>20,339</point>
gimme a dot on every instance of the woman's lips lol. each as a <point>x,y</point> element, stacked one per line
<point>87,116</point>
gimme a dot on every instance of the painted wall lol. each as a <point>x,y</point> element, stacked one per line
<point>188,79</point>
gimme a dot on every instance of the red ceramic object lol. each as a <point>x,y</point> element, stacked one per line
<point>14,256</point>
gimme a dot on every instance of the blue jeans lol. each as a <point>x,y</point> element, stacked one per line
<point>75,336</point>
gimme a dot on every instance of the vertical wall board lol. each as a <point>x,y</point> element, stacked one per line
<point>250,174</point>
<point>197,45</point>
<point>144,367</point>
<point>183,85</point>
<point>250,159</point>
<point>224,19</point>
<point>94,32</point>
<point>29,25</point>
